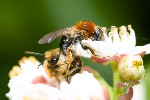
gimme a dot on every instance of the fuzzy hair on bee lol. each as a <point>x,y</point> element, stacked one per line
<point>57,66</point>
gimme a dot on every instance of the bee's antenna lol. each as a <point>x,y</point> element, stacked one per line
<point>34,53</point>
<point>41,63</point>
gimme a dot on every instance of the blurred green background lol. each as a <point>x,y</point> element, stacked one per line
<point>23,23</point>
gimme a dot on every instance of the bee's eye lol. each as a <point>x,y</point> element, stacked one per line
<point>54,60</point>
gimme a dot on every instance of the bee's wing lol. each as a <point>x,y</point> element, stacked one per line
<point>51,36</point>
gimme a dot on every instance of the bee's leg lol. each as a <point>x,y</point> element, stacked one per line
<point>76,65</point>
<point>69,54</point>
<point>88,48</point>
<point>68,79</point>
<point>71,73</point>
<point>74,71</point>
<point>57,79</point>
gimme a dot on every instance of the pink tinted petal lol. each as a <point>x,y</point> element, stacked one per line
<point>39,79</point>
<point>127,96</point>
<point>142,53</point>
<point>117,58</point>
<point>87,68</point>
<point>106,93</point>
<point>100,60</point>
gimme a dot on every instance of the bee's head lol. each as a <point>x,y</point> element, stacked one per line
<point>52,57</point>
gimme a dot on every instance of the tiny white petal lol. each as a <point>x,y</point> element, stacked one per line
<point>147,48</point>
<point>139,49</point>
<point>132,36</point>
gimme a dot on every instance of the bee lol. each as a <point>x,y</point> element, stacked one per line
<point>72,36</point>
<point>56,65</point>
<point>64,62</point>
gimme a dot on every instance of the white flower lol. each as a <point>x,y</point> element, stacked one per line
<point>82,87</point>
<point>119,47</point>
<point>116,43</point>
<point>22,84</point>
<point>31,83</point>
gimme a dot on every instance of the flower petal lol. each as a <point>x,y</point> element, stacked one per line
<point>132,37</point>
<point>100,60</point>
<point>139,49</point>
<point>39,79</point>
<point>101,48</point>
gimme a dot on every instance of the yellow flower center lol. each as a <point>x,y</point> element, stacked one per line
<point>137,64</point>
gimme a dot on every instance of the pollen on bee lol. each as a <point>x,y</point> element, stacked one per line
<point>88,26</point>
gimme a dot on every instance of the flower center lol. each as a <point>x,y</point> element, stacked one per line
<point>137,64</point>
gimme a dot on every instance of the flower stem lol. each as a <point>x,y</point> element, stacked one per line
<point>116,78</point>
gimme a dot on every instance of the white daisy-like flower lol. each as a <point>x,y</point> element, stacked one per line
<point>116,43</point>
<point>29,82</point>
<point>119,47</point>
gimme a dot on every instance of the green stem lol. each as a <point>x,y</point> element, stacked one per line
<point>116,78</point>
